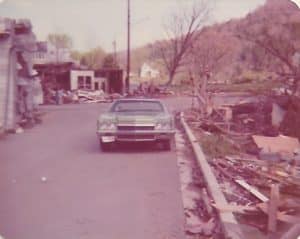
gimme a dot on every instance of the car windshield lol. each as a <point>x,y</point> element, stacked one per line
<point>137,106</point>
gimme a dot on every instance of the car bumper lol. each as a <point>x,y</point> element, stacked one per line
<point>135,136</point>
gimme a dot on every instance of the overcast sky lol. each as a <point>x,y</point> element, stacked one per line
<point>93,23</point>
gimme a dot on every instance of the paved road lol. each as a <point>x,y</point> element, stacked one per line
<point>130,193</point>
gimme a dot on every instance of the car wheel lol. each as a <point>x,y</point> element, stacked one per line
<point>105,147</point>
<point>166,145</point>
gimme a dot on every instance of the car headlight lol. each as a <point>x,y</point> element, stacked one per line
<point>163,126</point>
<point>106,126</point>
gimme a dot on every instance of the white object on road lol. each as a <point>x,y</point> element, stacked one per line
<point>43,179</point>
<point>19,130</point>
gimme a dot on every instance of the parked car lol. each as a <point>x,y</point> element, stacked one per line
<point>136,120</point>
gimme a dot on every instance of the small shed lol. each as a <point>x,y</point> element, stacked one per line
<point>113,80</point>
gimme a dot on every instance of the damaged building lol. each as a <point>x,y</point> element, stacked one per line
<point>19,84</point>
<point>65,75</point>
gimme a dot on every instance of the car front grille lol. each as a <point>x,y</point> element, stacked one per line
<point>136,137</point>
<point>135,128</point>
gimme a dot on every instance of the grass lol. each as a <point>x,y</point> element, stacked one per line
<point>259,87</point>
<point>216,145</point>
<point>255,87</point>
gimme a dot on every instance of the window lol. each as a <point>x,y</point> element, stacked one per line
<point>80,82</point>
<point>88,82</point>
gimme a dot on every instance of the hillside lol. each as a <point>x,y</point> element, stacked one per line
<point>244,59</point>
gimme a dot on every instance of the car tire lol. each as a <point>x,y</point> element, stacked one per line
<point>166,145</point>
<point>105,147</point>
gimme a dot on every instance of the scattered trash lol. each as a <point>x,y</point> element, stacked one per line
<point>252,146</point>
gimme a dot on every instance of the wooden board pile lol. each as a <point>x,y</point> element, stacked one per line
<point>261,179</point>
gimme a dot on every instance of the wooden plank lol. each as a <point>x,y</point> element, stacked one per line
<point>252,190</point>
<point>236,208</point>
<point>273,207</point>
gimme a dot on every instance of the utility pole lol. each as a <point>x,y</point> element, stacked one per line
<point>127,80</point>
<point>115,51</point>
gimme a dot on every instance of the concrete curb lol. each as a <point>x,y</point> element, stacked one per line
<point>229,223</point>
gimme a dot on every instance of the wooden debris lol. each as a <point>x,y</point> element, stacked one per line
<point>277,144</point>
<point>273,207</point>
<point>281,216</point>
<point>235,208</point>
<point>243,175</point>
<point>252,190</point>
<point>205,228</point>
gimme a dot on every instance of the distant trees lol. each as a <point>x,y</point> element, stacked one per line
<point>93,59</point>
<point>60,42</point>
<point>182,31</point>
<point>109,61</point>
<point>278,35</point>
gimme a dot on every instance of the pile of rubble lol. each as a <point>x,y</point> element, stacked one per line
<point>257,165</point>
<point>78,96</point>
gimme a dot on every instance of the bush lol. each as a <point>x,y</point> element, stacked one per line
<point>216,145</point>
<point>291,121</point>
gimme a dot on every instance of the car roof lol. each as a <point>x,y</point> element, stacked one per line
<point>138,99</point>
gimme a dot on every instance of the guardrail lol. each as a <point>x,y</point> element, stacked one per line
<point>228,221</point>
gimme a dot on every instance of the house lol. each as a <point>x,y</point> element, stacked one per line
<point>85,80</point>
<point>148,72</point>
<point>47,53</point>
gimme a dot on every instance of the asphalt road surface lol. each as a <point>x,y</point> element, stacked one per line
<point>56,183</point>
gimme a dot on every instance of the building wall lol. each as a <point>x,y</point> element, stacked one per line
<point>148,72</point>
<point>15,37</point>
<point>7,84</point>
<point>49,54</point>
<point>82,79</point>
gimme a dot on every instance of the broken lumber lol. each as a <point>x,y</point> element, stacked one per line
<point>235,208</point>
<point>281,216</point>
<point>252,190</point>
<point>273,208</point>
<point>277,144</point>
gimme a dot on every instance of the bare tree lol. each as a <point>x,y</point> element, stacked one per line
<point>278,35</point>
<point>182,30</point>
<point>207,58</point>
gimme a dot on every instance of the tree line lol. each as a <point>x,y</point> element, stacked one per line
<point>93,59</point>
